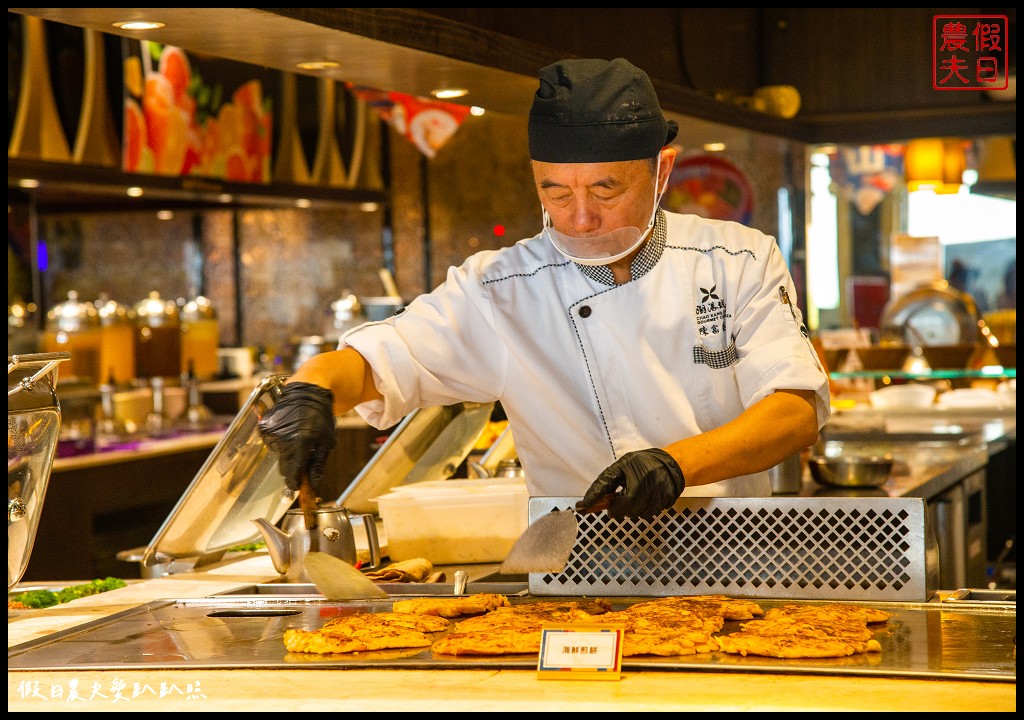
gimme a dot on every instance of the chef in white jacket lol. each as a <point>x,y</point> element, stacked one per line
<point>638,354</point>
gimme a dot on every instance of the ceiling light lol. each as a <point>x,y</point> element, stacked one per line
<point>476,111</point>
<point>134,192</point>
<point>317,65</point>
<point>28,183</point>
<point>449,93</point>
<point>303,203</point>
<point>138,25</point>
<point>225,197</point>
<point>368,207</point>
<point>714,147</point>
<point>165,215</point>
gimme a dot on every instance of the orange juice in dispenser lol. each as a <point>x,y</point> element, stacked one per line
<point>200,337</point>
<point>74,327</point>
<point>117,341</point>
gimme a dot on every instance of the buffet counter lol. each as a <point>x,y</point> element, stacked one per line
<point>368,687</point>
<point>461,690</point>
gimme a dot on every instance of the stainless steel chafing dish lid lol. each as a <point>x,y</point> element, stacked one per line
<point>238,483</point>
<point>428,444</point>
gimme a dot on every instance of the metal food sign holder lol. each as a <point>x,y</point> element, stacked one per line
<point>870,549</point>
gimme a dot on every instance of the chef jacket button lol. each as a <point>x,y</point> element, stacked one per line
<point>585,311</point>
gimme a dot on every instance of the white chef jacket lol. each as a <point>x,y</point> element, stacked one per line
<point>587,370</point>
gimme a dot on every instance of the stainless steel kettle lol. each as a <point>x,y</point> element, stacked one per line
<point>33,427</point>
<point>334,535</point>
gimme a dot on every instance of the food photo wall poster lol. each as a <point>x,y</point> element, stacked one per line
<point>187,114</point>
<point>711,187</point>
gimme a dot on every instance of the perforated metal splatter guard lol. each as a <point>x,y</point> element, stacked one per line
<point>801,548</point>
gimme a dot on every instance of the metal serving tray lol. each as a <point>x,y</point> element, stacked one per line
<point>921,640</point>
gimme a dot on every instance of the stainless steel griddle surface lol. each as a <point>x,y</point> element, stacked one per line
<point>246,631</point>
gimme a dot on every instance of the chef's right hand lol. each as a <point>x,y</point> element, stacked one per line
<point>300,429</point>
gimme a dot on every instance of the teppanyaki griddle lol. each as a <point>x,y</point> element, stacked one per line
<point>929,640</point>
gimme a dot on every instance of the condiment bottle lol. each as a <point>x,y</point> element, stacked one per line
<point>200,338</point>
<point>157,338</point>
<point>74,327</point>
<point>117,341</point>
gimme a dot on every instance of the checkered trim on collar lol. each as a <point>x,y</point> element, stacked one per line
<point>645,260</point>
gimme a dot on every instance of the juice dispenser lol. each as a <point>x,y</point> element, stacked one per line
<point>74,327</point>
<point>200,337</point>
<point>117,342</point>
<point>157,338</point>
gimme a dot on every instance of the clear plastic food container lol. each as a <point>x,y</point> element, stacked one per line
<point>454,522</point>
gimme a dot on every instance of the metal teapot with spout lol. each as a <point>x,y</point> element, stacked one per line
<point>333,535</point>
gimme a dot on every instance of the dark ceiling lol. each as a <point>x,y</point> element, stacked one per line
<point>857,69</point>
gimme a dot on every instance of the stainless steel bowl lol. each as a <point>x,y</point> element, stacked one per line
<point>851,471</point>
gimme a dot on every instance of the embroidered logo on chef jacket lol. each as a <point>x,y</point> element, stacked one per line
<point>712,327</point>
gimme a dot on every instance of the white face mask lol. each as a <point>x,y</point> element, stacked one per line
<point>608,247</point>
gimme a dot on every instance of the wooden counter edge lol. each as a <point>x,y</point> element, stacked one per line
<point>489,690</point>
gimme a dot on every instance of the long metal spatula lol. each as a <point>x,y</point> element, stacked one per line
<point>546,545</point>
<point>337,580</point>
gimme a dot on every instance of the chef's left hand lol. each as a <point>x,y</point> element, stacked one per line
<point>641,484</point>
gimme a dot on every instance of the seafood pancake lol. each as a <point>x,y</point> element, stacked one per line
<point>450,607</point>
<point>807,631</point>
<point>834,612</point>
<point>485,642</point>
<point>366,631</point>
<point>515,629</point>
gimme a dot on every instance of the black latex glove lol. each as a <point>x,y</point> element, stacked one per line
<point>642,484</point>
<point>300,429</point>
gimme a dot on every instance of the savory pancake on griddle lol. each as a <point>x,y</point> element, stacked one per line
<point>517,628</point>
<point>807,631</point>
<point>709,605</point>
<point>340,626</point>
<point>666,626</point>
<point>450,607</point>
<point>833,612</point>
<point>366,631</point>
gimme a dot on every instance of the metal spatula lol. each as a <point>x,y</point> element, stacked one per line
<point>546,545</point>
<point>337,580</point>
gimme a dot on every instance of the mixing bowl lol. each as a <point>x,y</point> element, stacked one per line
<point>851,471</point>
